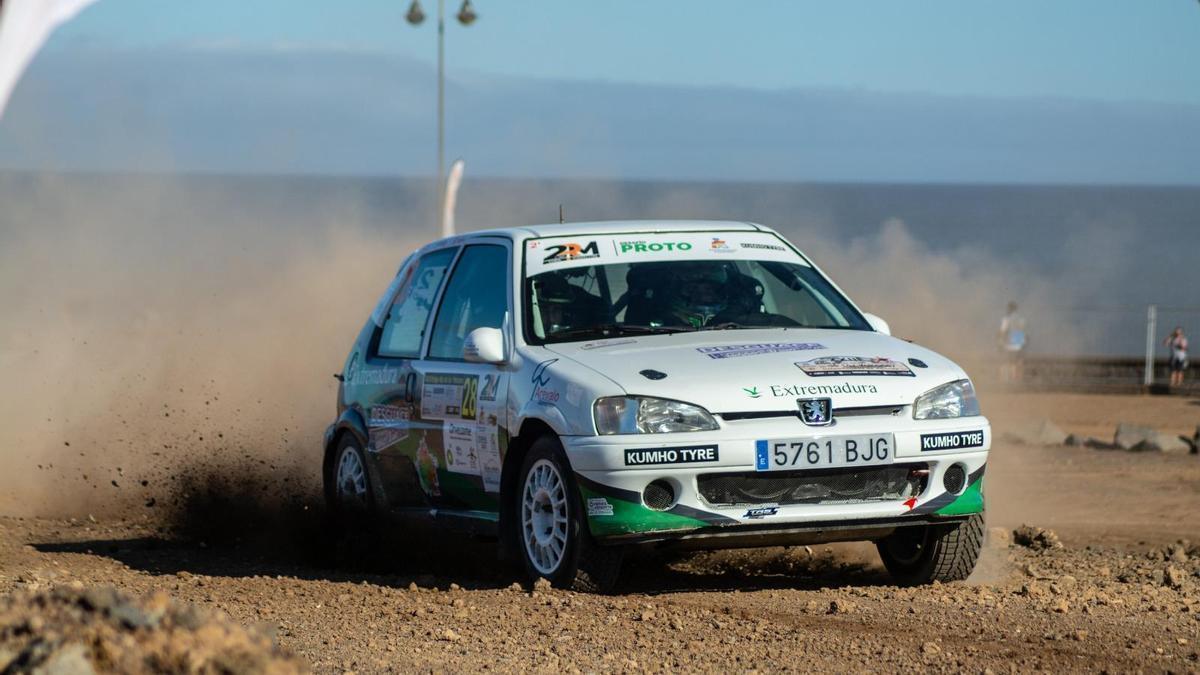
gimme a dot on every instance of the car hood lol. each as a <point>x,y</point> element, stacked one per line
<point>767,370</point>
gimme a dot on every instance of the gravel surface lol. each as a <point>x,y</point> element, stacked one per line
<point>1088,566</point>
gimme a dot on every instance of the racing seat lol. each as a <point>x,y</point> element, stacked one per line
<point>644,297</point>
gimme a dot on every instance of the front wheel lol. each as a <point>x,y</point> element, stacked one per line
<point>928,553</point>
<point>552,534</point>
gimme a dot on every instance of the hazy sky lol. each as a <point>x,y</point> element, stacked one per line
<point>930,90</point>
<point>1110,49</point>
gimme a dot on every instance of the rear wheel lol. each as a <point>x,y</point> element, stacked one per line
<point>922,555</point>
<point>552,535</point>
<point>351,503</point>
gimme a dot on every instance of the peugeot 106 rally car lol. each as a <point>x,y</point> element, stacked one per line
<point>578,389</point>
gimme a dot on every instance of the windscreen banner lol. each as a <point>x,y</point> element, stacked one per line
<point>581,250</point>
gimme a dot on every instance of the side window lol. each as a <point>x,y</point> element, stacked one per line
<point>405,323</point>
<point>476,297</point>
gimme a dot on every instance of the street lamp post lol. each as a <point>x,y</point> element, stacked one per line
<point>416,16</point>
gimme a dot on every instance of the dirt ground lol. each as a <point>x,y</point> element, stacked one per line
<point>1122,593</point>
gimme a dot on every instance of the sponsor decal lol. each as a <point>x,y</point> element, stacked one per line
<point>719,246</point>
<point>601,344</point>
<point>541,378</point>
<point>487,448</point>
<point>652,246</point>
<point>427,469</point>
<point>599,506</point>
<point>370,376</point>
<point>458,444</point>
<point>953,440</point>
<point>910,502</point>
<point>571,251</point>
<point>816,412</point>
<point>800,390</point>
<point>767,247</point>
<point>734,351</point>
<point>449,396</point>
<point>491,386</point>
<point>849,366</point>
<point>761,512</point>
<point>694,454</point>
<point>917,363</point>
<point>752,392</point>
<point>388,425</point>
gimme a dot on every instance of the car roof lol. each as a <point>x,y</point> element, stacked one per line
<point>619,226</point>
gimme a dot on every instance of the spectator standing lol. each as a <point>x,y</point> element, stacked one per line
<point>1178,344</point>
<point>1012,344</point>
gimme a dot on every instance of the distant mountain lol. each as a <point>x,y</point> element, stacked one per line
<point>296,110</point>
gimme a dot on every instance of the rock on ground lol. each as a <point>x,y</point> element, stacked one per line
<point>1041,432</point>
<point>77,630</point>
<point>1138,438</point>
<point>1036,538</point>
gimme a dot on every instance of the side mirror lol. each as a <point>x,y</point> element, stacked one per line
<point>877,323</point>
<point>484,345</point>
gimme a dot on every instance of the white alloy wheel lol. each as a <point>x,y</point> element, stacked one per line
<point>351,479</point>
<point>544,517</point>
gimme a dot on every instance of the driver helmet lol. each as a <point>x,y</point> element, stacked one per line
<point>555,297</point>
<point>701,292</point>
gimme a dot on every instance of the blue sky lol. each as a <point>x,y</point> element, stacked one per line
<point>1107,49</point>
<point>1020,91</point>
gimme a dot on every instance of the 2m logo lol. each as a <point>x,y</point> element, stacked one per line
<point>571,251</point>
<point>470,393</point>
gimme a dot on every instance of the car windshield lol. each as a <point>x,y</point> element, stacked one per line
<point>589,302</point>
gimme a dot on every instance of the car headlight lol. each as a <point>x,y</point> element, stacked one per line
<point>643,415</point>
<point>953,399</point>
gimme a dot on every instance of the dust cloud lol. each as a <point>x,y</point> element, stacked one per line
<point>169,349</point>
<point>169,344</point>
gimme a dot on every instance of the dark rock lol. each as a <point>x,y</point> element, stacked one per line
<point>1036,538</point>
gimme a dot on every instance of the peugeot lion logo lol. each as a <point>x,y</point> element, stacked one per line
<point>815,412</point>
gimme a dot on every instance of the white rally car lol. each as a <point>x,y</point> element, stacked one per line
<point>577,389</point>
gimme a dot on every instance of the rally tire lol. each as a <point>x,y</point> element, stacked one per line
<point>921,555</point>
<point>599,568</point>
<point>350,503</point>
<point>548,506</point>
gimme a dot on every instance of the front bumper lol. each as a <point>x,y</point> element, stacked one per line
<point>612,491</point>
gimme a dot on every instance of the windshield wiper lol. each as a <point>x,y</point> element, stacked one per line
<point>612,329</point>
<point>728,325</point>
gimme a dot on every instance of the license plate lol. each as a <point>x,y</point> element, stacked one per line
<point>824,452</point>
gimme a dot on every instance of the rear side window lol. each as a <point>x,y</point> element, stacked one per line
<point>404,326</point>
<point>476,297</point>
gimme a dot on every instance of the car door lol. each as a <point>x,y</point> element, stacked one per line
<point>462,405</point>
<point>385,382</point>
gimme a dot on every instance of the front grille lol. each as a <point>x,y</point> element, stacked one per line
<point>822,486</point>
<point>862,411</point>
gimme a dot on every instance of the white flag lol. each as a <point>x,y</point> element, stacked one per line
<point>24,27</point>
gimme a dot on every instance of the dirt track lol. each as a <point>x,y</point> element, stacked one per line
<point>1121,595</point>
